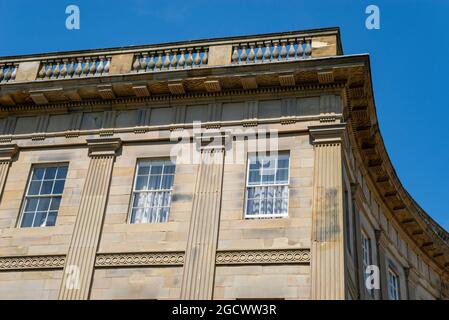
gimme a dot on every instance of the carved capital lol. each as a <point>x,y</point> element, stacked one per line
<point>212,140</point>
<point>381,238</point>
<point>327,134</point>
<point>103,146</point>
<point>8,151</point>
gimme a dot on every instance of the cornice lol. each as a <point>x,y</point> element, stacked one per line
<point>8,151</point>
<point>327,133</point>
<point>103,146</point>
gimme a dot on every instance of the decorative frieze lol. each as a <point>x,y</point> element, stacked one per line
<point>109,260</point>
<point>293,256</point>
<point>32,263</point>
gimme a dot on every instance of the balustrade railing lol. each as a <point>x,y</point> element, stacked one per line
<point>170,59</point>
<point>8,72</point>
<point>74,67</point>
<point>272,50</point>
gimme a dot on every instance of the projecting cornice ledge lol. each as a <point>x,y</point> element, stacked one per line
<point>8,151</point>
<point>103,146</point>
<point>327,134</point>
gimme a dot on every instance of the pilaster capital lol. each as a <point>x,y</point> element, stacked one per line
<point>381,238</point>
<point>412,275</point>
<point>213,140</point>
<point>327,133</point>
<point>103,146</point>
<point>8,151</point>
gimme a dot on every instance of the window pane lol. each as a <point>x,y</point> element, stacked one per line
<point>282,176</point>
<point>137,215</point>
<point>62,172</point>
<point>39,220</point>
<point>163,214</point>
<point>34,187</point>
<point>283,161</point>
<point>254,164</point>
<point>47,187</point>
<point>51,218</point>
<point>167,181</point>
<point>58,187</point>
<point>43,205</point>
<point>31,204</point>
<point>139,199</point>
<point>38,173</point>
<point>27,219</point>
<point>143,169</point>
<point>141,183</point>
<point>268,176</point>
<point>55,203</point>
<point>155,183</point>
<point>156,169</point>
<point>50,173</point>
<point>169,169</point>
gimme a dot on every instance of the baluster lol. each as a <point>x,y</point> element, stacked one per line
<point>64,68</point>
<point>100,66</point>
<point>136,64</point>
<point>251,55</point>
<point>235,55</point>
<point>71,69</point>
<point>41,73</point>
<point>182,59</point>
<point>143,61</point>
<point>159,60</point>
<point>275,50</point>
<point>300,51</point>
<point>189,60</point>
<point>308,50</point>
<point>151,64</point>
<point>8,74</point>
<point>167,59</point>
<point>107,65</point>
<point>79,67</point>
<point>174,60</point>
<point>205,57</point>
<point>93,67</point>
<point>197,57</point>
<point>14,72</point>
<point>283,50</point>
<point>86,67</point>
<point>243,55</point>
<point>259,53</point>
<point>267,54</point>
<point>291,50</point>
<point>49,71</point>
<point>56,72</point>
<point>2,73</point>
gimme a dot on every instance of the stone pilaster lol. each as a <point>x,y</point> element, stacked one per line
<point>80,261</point>
<point>327,264</point>
<point>412,278</point>
<point>7,152</point>
<point>199,265</point>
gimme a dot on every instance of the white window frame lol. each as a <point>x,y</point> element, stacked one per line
<point>157,191</point>
<point>393,284</point>
<point>247,186</point>
<point>39,196</point>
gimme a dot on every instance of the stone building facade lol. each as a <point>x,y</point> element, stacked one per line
<point>96,204</point>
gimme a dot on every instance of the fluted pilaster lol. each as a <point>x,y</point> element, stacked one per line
<point>80,260</point>
<point>7,152</point>
<point>199,266</point>
<point>327,263</point>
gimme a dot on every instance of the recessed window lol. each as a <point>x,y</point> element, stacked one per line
<point>43,196</point>
<point>152,192</point>
<point>393,284</point>
<point>267,186</point>
<point>366,257</point>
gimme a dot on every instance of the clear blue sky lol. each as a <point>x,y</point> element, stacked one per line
<point>409,54</point>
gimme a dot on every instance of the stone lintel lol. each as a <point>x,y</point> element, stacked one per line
<point>329,133</point>
<point>103,146</point>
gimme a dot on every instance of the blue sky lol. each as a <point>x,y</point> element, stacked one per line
<point>409,56</point>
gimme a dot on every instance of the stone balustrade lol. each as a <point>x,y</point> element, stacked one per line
<point>266,48</point>
<point>170,59</point>
<point>74,67</point>
<point>272,50</point>
<point>8,72</point>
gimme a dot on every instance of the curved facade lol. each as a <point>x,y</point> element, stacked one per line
<point>234,168</point>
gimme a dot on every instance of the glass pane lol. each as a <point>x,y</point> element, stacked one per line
<point>167,181</point>
<point>137,215</point>
<point>163,214</point>
<point>254,164</point>
<point>34,187</point>
<point>268,177</point>
<point>139,199</point>
<point>62,172</point>
<point>141,183</point>
<point>155,183</point>
<point>269,164</point>
<point>55,203</point>
<point>38,173</point>
<point>58,188</point>
<point>50,173</point>
<point>47,187</point>
<point>40,219</point>
<point>250,207</point>
<point>254,177</point>
<point>263,207</point>
<point>283,161</point>
<point>152,214</point>
<point>166,199</point>
<point>156,169</point>
<point>51,218</point>
<point>170,168</point>
<point>270,192</point>
<point>44,203</point>
<point>31,204</point>
<point>27,219</point>
<point>143,169</point>
<point>151,199</point>
<point>270,208</point>
<point>282,176</point>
